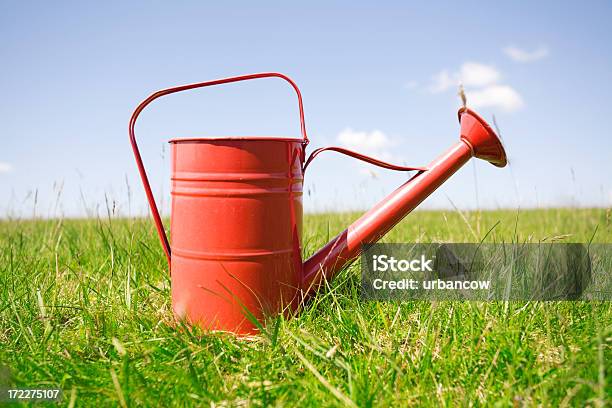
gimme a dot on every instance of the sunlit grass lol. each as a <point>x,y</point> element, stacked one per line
<point>85,304</point>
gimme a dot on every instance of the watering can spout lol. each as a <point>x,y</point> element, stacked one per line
<point>477,139</point>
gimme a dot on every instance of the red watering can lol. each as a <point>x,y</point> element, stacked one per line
<point>236,221</point>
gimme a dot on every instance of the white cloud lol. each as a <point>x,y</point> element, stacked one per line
<point>482,86</point>
<point>521,55</point>
<point>469,74</point>
<point>364,141</point>
<point>475,74</point>
<point>375,143</point>
<point>5,167</point>
<point>495,96</point>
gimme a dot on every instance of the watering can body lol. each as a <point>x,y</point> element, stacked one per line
<point>236,227</point>
<point>236,218</point>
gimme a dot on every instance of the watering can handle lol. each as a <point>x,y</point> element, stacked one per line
<point>361,157</point>
<point>143,174</point>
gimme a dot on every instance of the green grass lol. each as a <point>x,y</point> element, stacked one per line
<point>85,304</point>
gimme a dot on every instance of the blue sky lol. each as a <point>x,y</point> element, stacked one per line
<point>380,78</point>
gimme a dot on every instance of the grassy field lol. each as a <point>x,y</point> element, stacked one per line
<point>85,304</point>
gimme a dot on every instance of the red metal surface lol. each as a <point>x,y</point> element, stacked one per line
<point>235,227</point>
<point>236,221</point>
<point>478,134</point>
<point>141,169</point>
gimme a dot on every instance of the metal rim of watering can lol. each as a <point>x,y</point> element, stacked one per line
<point>465,109</point>
<point>241,138</point>
<point>139,162</point>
